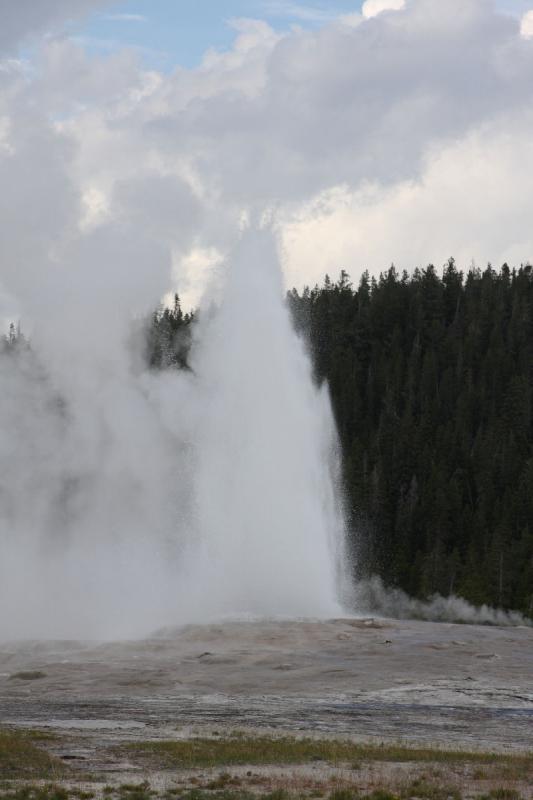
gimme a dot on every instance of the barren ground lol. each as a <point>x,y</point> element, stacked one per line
<point>419,683</point>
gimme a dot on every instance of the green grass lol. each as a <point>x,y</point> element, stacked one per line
<point>241,750</point>
<point>21,758</point>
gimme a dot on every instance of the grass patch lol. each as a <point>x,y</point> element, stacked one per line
<point>501,794</point>
<point>224,781</point>
<point>241,750</point>
<point>20,758</point>
<point>430,791</point>
<point>31,675</point>
<point>36,793</point>
<point>142,791</point>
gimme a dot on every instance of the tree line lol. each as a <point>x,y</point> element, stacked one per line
<point>431,381</point>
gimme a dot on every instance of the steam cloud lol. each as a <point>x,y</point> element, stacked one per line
<point>135,499</point>
<point>373,596</point>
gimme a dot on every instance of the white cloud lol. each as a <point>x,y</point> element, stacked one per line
<point>305,13</point>
<point>472,201</point>
<point>277,122</point>
<point>125,17</point>
<point>351,20</point>
<point>526,25</point>
<point>371,8</point>
<point>285,117</point>
<point>26,18</point>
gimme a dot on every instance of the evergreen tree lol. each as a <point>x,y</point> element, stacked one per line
<point>431,381</point>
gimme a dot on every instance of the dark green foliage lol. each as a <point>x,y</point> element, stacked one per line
<point>169,337</point>
<point>431,381</point>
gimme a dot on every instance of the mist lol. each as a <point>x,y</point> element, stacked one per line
<point>372,596</point>
<point>135,499</point>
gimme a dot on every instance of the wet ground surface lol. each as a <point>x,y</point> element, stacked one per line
<point>436,684</point>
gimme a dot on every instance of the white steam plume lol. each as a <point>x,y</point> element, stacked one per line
<point>373,596</point>
<point>132,500</point>
<point>268,510</point>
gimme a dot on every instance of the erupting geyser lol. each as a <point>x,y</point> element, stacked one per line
<point>268,514</point>
<point>141,500</point>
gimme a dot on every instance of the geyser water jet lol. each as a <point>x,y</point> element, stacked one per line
<point>135,500</point>
<point>267,506</point>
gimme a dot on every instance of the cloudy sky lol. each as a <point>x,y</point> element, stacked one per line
<point>170,32</point>
<point>144,133</point>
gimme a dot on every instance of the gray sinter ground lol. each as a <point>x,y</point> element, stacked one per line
<point>418,682</point>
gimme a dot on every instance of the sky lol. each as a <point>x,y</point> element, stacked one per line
<point>170,32</point>
<point>148,132</point>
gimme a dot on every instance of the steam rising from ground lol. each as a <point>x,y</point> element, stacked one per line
<point>134,500</point>
<point>371,595</point>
